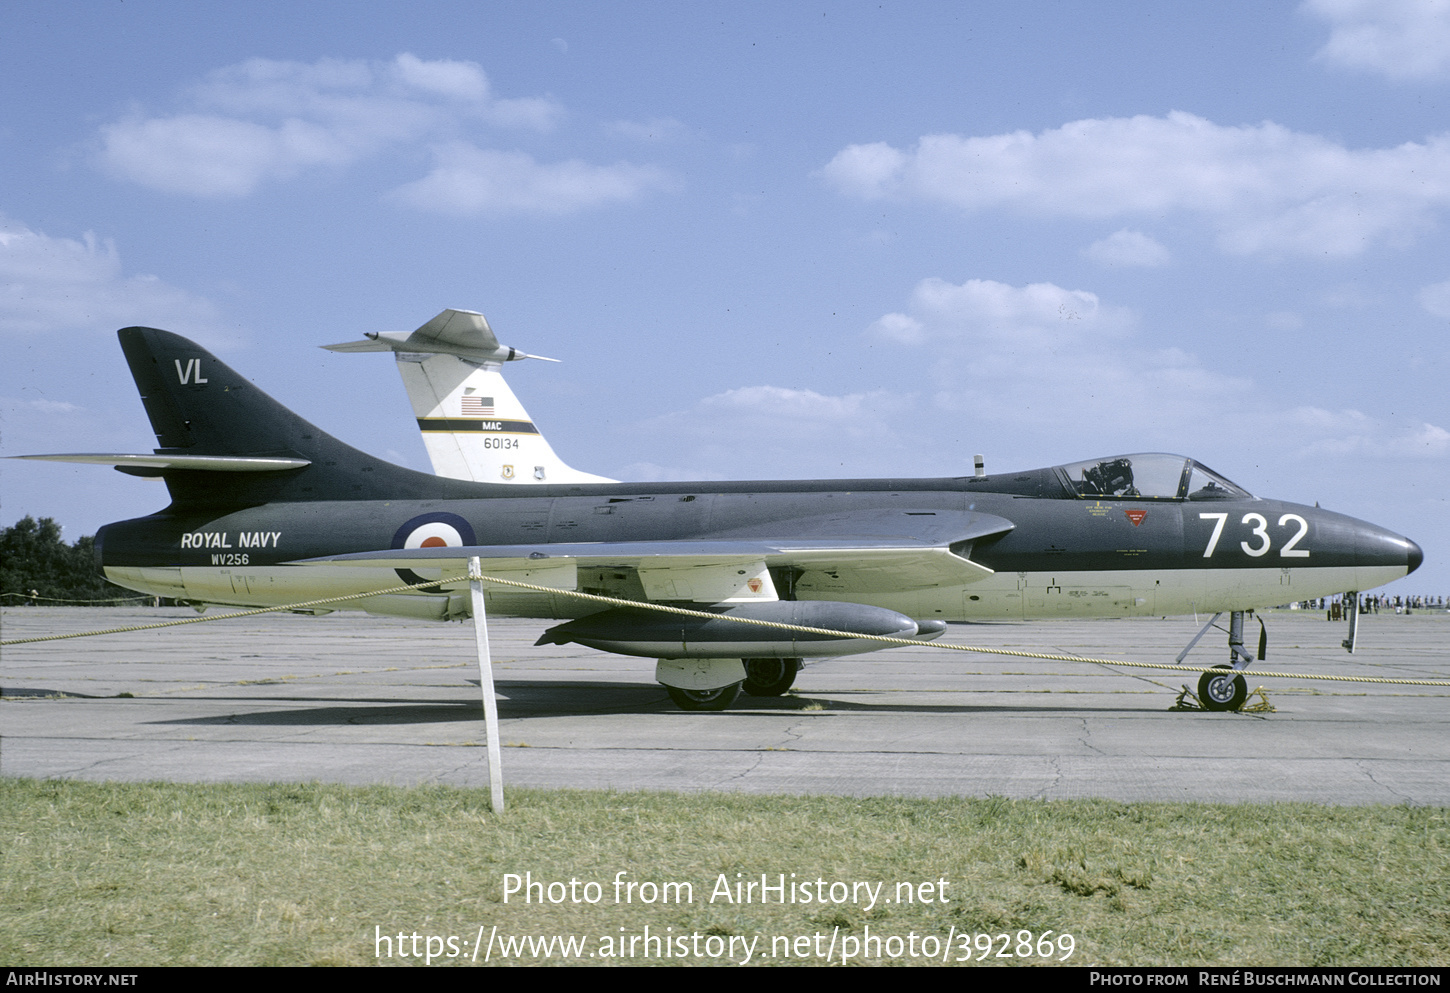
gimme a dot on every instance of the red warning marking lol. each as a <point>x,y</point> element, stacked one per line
<point>1136,516</point>
<point>754,585</point>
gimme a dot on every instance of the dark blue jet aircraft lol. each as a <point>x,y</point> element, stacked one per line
<point>267,509</point>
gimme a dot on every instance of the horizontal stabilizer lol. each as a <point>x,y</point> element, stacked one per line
<point>463,333</point>
<point>201,463</point>
<point>222,442</point>
<point>473,425</point>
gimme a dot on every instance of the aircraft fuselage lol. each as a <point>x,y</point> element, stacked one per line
<point>269,510</point>
<point>1067,556</point>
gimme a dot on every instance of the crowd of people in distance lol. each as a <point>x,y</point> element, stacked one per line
<point>1336,608</point>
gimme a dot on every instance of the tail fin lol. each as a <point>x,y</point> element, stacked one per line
<point>473,425</point>
<point>204,413</point>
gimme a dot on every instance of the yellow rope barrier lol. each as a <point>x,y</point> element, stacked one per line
<point>226,617</point>
<point>53,599</point>
<point>777,625</point>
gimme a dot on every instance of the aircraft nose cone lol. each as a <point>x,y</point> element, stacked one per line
<point>1374,546</point>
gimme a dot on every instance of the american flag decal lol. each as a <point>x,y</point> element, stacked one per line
<point>478,406</point>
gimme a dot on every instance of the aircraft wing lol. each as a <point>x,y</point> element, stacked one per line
<point>867,551</point>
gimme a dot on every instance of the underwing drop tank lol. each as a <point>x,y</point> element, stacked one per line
<point>652,634</point>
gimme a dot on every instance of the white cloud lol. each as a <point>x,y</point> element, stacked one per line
<point>654,129</point>
<point>867,171</point>
<point>459,80</point>
<point>1037,374</point>
<point>1043,357</point>
<point>1127,248</point>
<point>1351,432</point>
<point>899,328</point>
<point>1062,366</point>
<point>786,415</point>
<point>40,406</point>
<point>1265,188</point>
<point>982,316</point>
<point>469,181</point>
<point>217,156</point>
<point>1403,39</point>
<point>781,431</point>
<point>266,120</point>
<point>1435,298</point>
<point>799,410</point>
<point>1350,296</point>
<point>50,285</point>
<point>1426,439</point>
<point>1284,320</point>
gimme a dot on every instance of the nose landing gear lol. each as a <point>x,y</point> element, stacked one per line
<point>1223,689</point>
<point>1220,691</point>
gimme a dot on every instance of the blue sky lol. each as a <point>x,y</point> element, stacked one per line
<point>768,241</point>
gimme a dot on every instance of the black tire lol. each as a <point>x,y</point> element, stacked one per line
<point>769,677</point>
<point>1220,692</point>
<point>704,699</point>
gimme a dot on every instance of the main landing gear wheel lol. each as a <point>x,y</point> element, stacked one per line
<point>769,677</point>
<point>1222,691</point>
<point>704,699</point>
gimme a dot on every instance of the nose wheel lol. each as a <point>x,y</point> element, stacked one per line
<point>1222,689</point>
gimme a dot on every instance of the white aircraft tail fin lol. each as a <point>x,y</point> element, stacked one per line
<point>473,425</point>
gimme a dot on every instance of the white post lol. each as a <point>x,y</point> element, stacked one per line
<point>485,685</point>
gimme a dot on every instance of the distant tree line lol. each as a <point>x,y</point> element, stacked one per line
<point>35,560</point>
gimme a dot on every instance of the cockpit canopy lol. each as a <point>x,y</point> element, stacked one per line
<point>1150,476</point>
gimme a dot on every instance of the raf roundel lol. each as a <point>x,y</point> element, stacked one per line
<point>438,530</point>
<point>435,535</point>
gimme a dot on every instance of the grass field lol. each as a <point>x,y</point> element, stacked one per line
<point>152,874</point>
